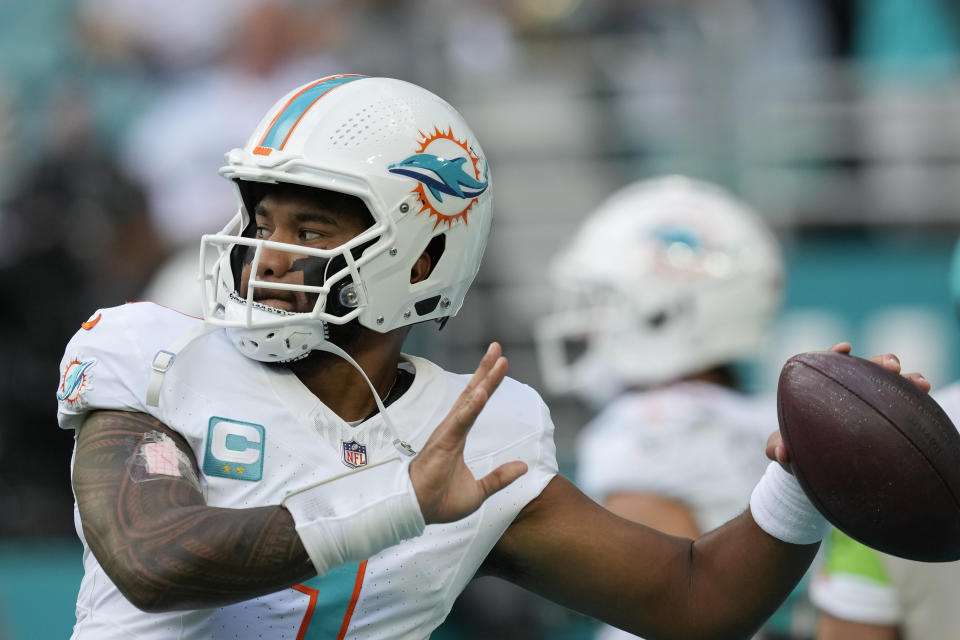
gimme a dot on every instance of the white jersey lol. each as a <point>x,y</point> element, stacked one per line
<point>257,432</point>
<point>695,442</point>
<point>860,584</point>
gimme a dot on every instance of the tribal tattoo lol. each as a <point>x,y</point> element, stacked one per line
<point>158,540</point>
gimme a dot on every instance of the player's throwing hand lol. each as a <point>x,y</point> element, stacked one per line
<point>445,487</point>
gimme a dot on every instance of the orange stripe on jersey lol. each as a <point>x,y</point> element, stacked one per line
<point>90,324</point>
<point>357,586</point>
<point>302,632</point>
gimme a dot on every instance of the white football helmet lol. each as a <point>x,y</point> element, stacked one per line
<point>411,158</point>
<point>668,277</point>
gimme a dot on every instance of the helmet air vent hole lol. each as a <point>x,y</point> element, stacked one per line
<point>255,344</point>
<point>270,335</point>
<point>427,305</point>
<point>658,319</point>
<point>574,347</point>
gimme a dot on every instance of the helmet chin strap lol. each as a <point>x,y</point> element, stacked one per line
<point>165,358</point>
<point>401,445</point>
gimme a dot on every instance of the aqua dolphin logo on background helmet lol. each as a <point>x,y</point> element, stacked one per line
<point>666,278</point>
<point>370,138</point>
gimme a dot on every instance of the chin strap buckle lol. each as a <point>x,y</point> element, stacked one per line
<point>404,447</point>
<point>161,363</point>
<point>164,359</point>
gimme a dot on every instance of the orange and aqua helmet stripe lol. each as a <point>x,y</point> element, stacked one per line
<point>290,115</point>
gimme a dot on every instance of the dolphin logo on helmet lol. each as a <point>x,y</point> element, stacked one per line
<point>440,175</point>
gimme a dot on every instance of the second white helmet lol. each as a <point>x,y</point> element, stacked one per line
<point>667,278</point>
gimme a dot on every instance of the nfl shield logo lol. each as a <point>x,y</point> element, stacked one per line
<point>354,454</point>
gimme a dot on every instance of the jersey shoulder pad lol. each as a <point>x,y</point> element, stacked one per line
<point>514,418</point>
<point>107,363</point>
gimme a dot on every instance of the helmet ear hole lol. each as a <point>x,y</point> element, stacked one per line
<point>575,347</point>
<point>434,250</point>
<point>658,320</point>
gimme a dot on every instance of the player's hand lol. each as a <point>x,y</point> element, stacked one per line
<point>777,451</point>
<point>445,487</point>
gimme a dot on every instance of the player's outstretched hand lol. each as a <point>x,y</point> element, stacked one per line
<point>775,447</point>
<point>445,487</point>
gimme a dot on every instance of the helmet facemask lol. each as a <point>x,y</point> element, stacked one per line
<point>326,299</point>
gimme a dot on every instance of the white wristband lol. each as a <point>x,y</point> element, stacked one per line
<point>780,508</point>
<point>353,516</point>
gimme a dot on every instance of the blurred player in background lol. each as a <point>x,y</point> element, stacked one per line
<point>864,594</point>
<point>665,289</point>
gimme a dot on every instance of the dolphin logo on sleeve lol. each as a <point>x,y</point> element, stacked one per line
<point>74,380</point>
<point>440,175</point>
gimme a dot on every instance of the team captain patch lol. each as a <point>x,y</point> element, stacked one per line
<point>234,449</point>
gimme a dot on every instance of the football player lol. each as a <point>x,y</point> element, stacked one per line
<point>280,469</point>
<point>666,288</point>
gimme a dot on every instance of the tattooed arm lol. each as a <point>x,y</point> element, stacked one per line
<point>145,519</point>
<point>146,522</point>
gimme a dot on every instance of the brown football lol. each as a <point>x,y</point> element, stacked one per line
<point>877,456</point>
